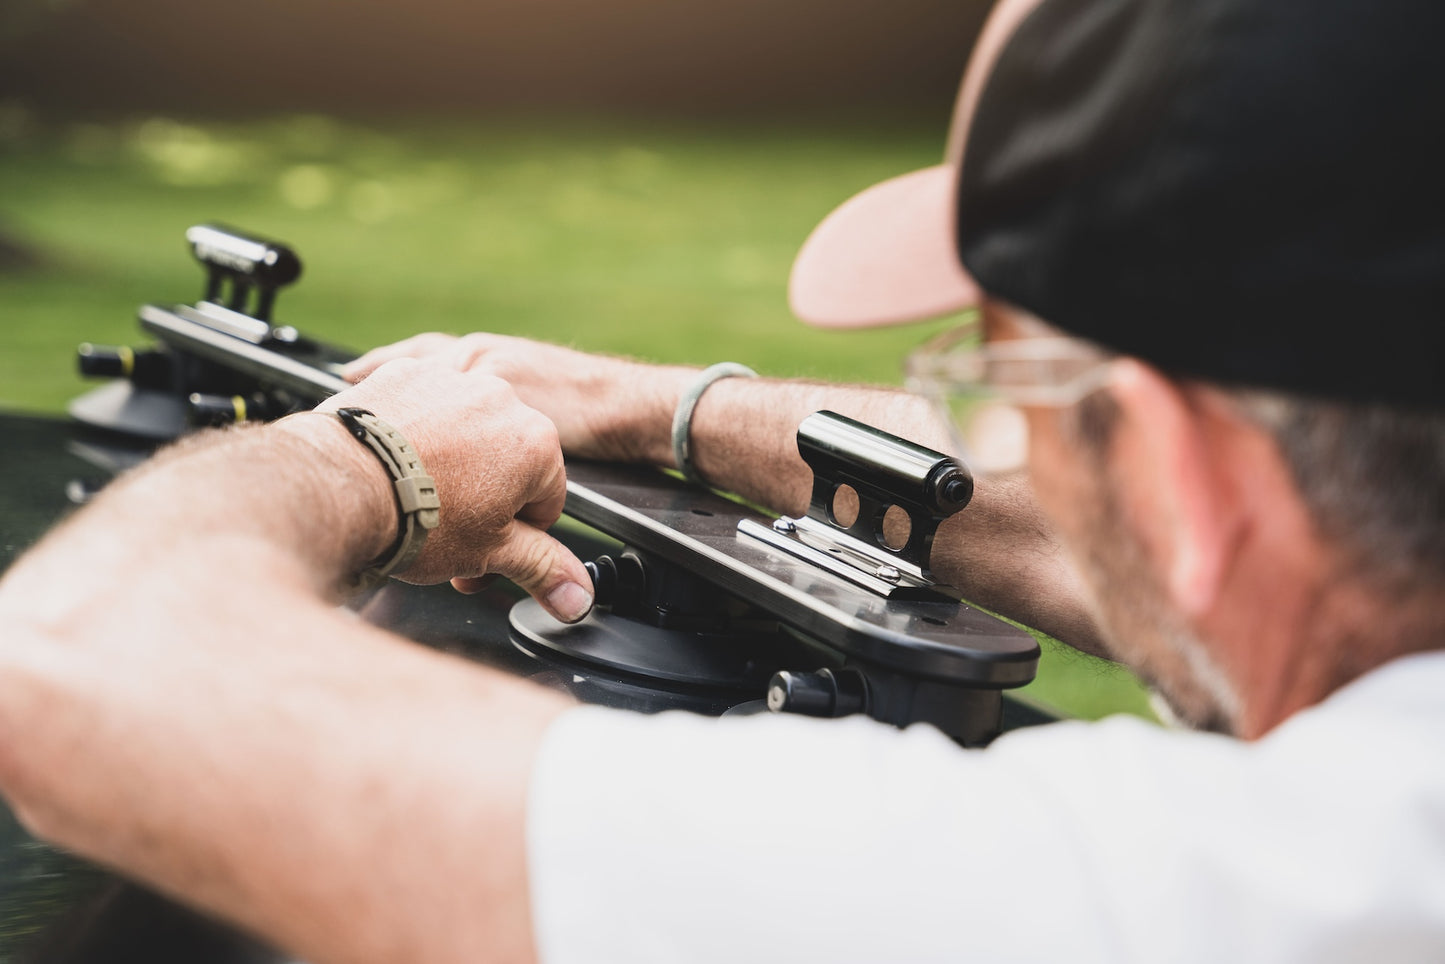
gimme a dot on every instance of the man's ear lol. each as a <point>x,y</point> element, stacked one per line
<point>1172,486</point>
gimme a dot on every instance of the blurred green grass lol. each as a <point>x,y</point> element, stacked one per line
<point>670,243</point>
<point>666,243</point>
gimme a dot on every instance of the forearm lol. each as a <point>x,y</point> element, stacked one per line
<point>179,699</point>
<point>1000,550</point>
<point>299,487</point>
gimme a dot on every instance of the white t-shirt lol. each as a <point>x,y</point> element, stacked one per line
<point>680,838</point>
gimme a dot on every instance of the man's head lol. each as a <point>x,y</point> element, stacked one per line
<point>1239,203</point>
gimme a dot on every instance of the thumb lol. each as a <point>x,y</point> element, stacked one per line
<point>546,569</point>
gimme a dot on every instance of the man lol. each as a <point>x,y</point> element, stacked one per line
<point>1173,208</point>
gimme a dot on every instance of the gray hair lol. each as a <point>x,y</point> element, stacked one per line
<point>1373,477</point>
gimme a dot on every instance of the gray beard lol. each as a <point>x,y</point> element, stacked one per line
<point>1143,631</point>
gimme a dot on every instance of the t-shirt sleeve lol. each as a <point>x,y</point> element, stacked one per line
<point>682,838</point>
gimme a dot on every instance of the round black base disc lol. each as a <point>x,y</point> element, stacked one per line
<point>139,412</point>
<point>739,663</point>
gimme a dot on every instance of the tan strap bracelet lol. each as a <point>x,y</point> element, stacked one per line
<point>416,494</point>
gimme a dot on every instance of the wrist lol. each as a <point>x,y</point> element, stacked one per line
<point>418,508</point>
<point>357,499</point>
<point>640,429</point>
<point>682,448</point>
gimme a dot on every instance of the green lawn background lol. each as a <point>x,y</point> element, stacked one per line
<point>665,242</point>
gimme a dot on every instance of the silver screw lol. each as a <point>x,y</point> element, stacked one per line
<point>784,525</point>
<point>777,699</point>
<point>888,573</point>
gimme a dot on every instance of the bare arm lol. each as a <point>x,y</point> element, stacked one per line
<point>1000,551</point>
<point>180,698</point>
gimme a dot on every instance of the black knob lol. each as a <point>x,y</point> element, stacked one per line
<point>955,489</point>
<point>604,581</point>
<point>618,584</point>
<point>824,693</point>
<point>206,409</point>
<point>262,262</point>
<point>147,368</point>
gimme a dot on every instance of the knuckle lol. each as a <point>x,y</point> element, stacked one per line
<point>543,443</point>
<point>466,354</point>
<point>532,564</point>
<point>431,341</point>
<point>499,392</point>
<point>398,366</point>
<point>543,430</point>
<point>475,351</point>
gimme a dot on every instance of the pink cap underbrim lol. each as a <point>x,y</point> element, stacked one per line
<point>885,256</point>
<point>889,255</point>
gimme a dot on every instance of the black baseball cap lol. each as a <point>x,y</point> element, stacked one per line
<point>1246,191</point>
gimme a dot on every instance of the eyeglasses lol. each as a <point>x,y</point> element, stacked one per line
<point>979,388</point>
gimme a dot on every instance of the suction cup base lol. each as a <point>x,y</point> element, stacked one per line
<point>141,413</point>
<point>733,666</point>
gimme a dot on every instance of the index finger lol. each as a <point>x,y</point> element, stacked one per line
<point>417,346</point>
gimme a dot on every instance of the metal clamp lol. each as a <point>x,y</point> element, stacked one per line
<point>884,472</point>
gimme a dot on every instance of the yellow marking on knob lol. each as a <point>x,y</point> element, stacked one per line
<point>238,404</point>
<point>127,360</point>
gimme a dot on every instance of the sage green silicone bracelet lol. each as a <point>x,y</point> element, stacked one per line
<point>682,417</point>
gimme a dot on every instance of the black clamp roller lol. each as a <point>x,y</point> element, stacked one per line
<point>884,467</point>
<point>884,470</point>
<point>889,556</point>
<point>247,264</point>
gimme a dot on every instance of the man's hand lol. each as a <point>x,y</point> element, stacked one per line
<point>498,471</point>
<point>603,407</point>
